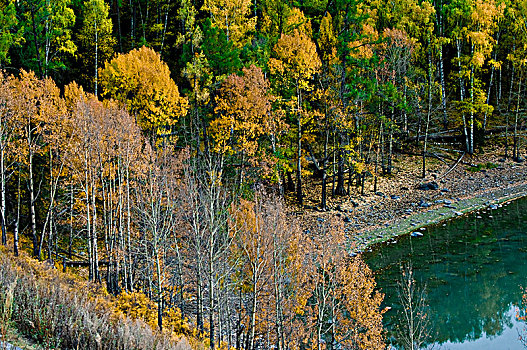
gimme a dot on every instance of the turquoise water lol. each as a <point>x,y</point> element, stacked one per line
<point>473,270</point>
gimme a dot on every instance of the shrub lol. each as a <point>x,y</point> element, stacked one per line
<point>58,311</point>
<point>479,167</point>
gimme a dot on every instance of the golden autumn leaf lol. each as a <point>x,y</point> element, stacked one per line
<point>142,83</point>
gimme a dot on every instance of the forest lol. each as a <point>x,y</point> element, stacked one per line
<point>161,148</point>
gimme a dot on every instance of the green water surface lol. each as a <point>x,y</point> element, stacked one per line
<point>473,268</point>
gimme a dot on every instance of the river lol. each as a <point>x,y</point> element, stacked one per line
<point>472,269</point>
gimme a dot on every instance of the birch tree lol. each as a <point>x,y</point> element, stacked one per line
<point>294,66</point>
<point>96,41</point>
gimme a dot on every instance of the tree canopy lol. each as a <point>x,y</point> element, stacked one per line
<point>142,83</point>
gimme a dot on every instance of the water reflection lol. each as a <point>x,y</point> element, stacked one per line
<point>473,269</point>
<point>507,338</point>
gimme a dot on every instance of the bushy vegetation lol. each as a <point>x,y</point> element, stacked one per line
<point>61,312</point>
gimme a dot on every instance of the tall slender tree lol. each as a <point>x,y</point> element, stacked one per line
<point>96,43</point>
<point>294,66</point>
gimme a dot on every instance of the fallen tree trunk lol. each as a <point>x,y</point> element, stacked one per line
<point>81,263</point>
<point>440,157</point>
<point>453,166</point>
<point>459,137</point>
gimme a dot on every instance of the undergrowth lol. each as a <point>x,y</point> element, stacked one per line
<point>482,166</point>
<point>58,311</point>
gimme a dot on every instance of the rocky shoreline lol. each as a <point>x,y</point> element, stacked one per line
<point>407,204</point>
<point>416,223</point>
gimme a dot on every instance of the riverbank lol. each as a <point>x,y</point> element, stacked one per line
<point>400,207</point>
<point>416,223</point>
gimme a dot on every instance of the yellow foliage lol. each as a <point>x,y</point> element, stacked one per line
<point>232,17</point>
<point>244,107</point>
<point>298,21</point>
<point>296,57</point>
<point>137,305</point>
<point>327,40</point>
<point>484,19</point>
<point>142,83</point>
<point>173,321</point>
<point>37,103</point>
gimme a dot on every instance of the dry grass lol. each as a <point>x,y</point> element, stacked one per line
<point>59,312</point>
